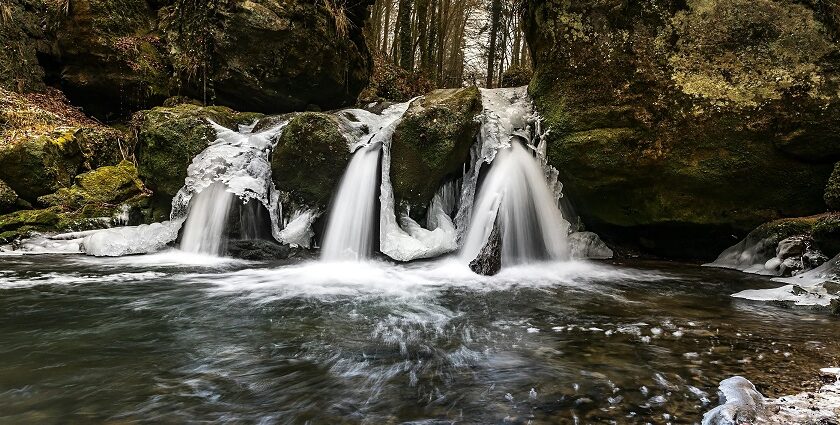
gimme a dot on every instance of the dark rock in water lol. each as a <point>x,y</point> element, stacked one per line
<point>489,259</point>
<point>654,106</point>
<point>8,197</point>
<point>257,250</point>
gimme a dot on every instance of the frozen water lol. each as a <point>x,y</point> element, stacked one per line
<point>141,239</point>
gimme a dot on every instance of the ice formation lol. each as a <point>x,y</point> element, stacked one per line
<point>815,287</point>
<point>740,403</point>
<point>119,241</point>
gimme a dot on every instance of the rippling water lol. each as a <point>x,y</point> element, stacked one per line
<point>175,338</point>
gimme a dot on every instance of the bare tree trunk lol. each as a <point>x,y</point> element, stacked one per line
<point>422,31</point>
<point>429,49</point>
<point>495,15</point>
<point>389,4</point>
<point>406,54</point>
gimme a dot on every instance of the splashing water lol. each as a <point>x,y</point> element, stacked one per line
<point>350,229</point>
<point>516,196</point>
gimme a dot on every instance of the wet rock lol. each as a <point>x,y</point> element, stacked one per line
<point>832,189</point>
<point>22,35</point>
<point>257,250</point>
<point>489,259</point>
<point>654,105</point>
<point>431,143</point>
<point>310,158</point>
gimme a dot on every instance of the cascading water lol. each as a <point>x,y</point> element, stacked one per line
<point>516,197</point>
<point>350,228</point>
<point>234,168</point>
<point>204,229</point>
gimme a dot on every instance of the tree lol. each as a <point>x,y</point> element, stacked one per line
<point>495,17</point>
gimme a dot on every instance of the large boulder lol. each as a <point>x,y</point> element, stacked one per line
<point>8,197</point>
<point>168,138</point>
<point>310,158</point>
<point>23,33</point>
<point>110,57</point>
<point>432,143</point>
<point>271,55</point>
<point>677,124</point>
<point>113,57</point>
<point>45,143</point>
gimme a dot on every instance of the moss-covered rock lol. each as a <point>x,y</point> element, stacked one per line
<point>168,138</point>
<point>22,222</point>
<point>24,27</point>
<point>826,233</point>
<point>44,143</point>
<point>832,189</point>
<point>109,185</point>
<point>8,197</point>
<point>432,143</point>
<point>310,158</point>
<point>672,121</point>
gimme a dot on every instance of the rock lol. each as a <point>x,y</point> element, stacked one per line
<point>168,138</point>
<point>257,250</point>
<point>489,259</point>
<point>22,222</point>
<point>109,185</point>
<point>517,76</point>
<point>832,190</point>
<point>310,158</point>
<point>794,246</point>
<point>272,55</point>
<point>585,245</point>
<point>44,143</point>
<point>652,107</point>
<point>432,143</point>
<point>22,36</point>
<point>8,197</point>
<point>826,234</point>
<point>114,57</point>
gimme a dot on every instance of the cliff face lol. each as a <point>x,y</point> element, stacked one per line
<point>113,57</point>
<point>688,120</point>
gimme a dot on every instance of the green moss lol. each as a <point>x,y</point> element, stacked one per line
<point>29,220</point>
<point>109,185</point>
<point>432,142</point>
<point>310,158</point>
<point>39,165</point>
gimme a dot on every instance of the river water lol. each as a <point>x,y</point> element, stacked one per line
<point>178,338</point>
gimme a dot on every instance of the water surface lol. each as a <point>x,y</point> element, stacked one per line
<point>171,338</point>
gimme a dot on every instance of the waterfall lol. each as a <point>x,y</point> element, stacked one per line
<point>350,227</point>
<point>516,196</point>
<point>204,229</point>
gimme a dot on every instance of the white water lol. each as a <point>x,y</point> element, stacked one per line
<point>350,227</point>
<point>515,195</point>
<point>204,230</point>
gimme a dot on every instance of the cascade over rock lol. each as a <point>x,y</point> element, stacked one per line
<point>168,138</point>
<point>672,121</point>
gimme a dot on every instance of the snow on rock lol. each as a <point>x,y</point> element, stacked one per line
<point>585,245</point>
<point>817,287</point>
<point>741,403</point>
<point>120,241</point>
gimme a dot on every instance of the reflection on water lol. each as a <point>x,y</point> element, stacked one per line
<point>161,340</point>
